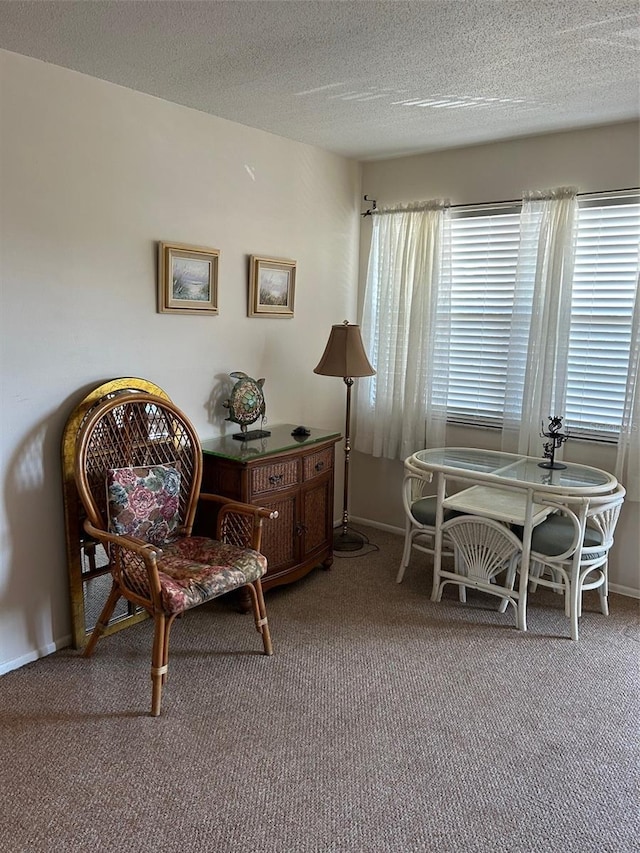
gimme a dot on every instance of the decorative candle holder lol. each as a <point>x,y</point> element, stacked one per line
<point>556,440</point>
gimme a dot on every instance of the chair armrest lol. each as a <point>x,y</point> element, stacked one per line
<point>238,523</point>
<point>131,543</point>
<point>131,558</point>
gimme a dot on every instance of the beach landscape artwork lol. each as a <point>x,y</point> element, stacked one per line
<point>187,279</point>
<point>274,287</point>
<point>271,287</point>
<point>191,279</point>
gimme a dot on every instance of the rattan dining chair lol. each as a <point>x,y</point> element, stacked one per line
<point>138,471</point>
<point>486,557</point>
<point>420,518</point>
<point>570,549</point>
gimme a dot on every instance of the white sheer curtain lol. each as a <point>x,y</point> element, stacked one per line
<point>405,329</point>
<point>538,350</point>
<point>628,458</point>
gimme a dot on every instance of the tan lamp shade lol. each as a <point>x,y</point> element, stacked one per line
<point>344,354</point>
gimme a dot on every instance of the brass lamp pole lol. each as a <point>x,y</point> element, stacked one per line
<point>345,356</point>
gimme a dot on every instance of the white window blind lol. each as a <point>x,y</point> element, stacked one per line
<point>604,288</point>
<point>484,261</point>
<point>483,269</point>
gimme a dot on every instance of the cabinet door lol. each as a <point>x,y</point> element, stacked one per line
<point>317,505</point>
<point>280,536</point>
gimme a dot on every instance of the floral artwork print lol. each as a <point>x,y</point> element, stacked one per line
<point>144,502</point>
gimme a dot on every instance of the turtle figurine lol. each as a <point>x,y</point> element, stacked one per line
<point>246,404</point>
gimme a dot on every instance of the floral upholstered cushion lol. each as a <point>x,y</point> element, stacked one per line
<point>144,502</point>
<point>194,569</point>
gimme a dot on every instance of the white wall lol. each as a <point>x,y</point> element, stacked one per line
<point>92,175</point>
<point>596,159</point>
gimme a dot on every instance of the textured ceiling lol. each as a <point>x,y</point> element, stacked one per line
<point>365,79</point>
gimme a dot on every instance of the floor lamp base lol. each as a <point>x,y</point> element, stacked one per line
<point>349,540</point>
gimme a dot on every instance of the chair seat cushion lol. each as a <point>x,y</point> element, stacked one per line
<point>424,511</point>
<point>195,569</point>
<point>555,535</point>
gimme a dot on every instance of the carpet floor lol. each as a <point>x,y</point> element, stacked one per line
<point>382,723</point>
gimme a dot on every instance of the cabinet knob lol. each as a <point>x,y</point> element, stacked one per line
<point>319,466</point>
<point>301,528</point>
<point>274,479</point>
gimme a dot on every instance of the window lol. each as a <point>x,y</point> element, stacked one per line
<point>484,257</point>
<point>484,260</point>
<point>604,289</point>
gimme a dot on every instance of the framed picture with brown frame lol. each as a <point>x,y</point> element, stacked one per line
<point>272,284</point>
<point>187,279</point>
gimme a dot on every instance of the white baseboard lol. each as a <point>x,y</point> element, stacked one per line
<point>35,654</point>
<point>629,591</point>
<point>618,589</point>
<point>389,528</point>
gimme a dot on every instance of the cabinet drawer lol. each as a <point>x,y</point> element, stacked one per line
<point>274,477</point>
<point>318,463</point>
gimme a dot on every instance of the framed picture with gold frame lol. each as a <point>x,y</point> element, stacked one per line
<point>187,279</point>
<point>272,283</point>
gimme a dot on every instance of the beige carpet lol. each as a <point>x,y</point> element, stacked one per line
<point>382,723</point>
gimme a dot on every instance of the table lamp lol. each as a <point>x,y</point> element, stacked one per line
<point>344,356</point>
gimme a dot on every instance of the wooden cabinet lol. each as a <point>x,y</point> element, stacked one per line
<point>291,475</point>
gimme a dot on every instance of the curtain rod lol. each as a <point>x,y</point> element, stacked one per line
<point>374,206</point>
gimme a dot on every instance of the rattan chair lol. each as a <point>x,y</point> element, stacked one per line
<point>484,550</point>
<point>570,549</point>
<point>138,472</point>
<point>420,518</point>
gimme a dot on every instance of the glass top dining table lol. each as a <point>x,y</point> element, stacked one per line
<point>493,466</point>
<point>506,487</point>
